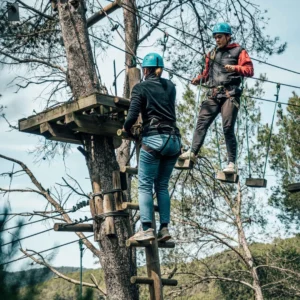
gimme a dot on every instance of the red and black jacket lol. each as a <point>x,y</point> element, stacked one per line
<point>215,73</point>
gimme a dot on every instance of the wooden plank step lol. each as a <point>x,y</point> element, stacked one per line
<point>293,188</point>
<point>135,206</point>
<point>32,123</point>
<point>73,228</point>
<point>229,178</point>
<point>256,182</point>
<point>147,280</point>
<point>129,170</point>
<point>186,164</point>
<point>167,245</point>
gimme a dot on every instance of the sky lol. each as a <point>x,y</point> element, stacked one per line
<point>283,16</point>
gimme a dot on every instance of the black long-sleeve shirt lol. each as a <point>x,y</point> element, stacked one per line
<point>154,98</point>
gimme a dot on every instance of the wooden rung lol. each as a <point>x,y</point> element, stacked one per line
<point>186,164</point>
<point>129,170</point>
<point>147,280</point>
<point>129,205</point>
<point>73,228</point>
<point>256,182</point>
<point>167,245</point>
<point>294,187</point>
<point>230,178</point>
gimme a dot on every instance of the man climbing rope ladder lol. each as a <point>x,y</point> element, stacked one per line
<point>225,66</point>
<point>155,99</point>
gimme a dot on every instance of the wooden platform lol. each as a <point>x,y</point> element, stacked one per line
<point>98,114</point>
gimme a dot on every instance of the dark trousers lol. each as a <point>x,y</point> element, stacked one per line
<point>210,108</point>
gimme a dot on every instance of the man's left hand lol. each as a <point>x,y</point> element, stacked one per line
<point>230,68</point>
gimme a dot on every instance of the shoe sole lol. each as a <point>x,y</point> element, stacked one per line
<point>164,238</point>
<point>145,239</point>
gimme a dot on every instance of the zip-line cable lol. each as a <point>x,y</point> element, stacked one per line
<point>74,209</point>
<point>189,80</point>
<point>46,250</point>
<point>196,37</point>
<point>197,51</point>
<point>40,232</point>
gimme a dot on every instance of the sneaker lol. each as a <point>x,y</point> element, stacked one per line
<point>188,154</point>
<point>163,235</point>
<point>147,235</point>
<point>230,169</point>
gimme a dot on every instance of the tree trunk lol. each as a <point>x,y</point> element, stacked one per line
<point>244,243</point>
<point>101,159</point>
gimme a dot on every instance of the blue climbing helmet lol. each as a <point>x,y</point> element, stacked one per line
<point>153,60</point>
<point>222,28</point>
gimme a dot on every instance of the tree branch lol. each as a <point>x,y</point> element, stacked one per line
<point>45,264</point>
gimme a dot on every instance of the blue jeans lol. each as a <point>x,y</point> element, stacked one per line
<point>157,171</point>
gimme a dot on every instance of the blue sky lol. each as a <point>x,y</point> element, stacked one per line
<point>283,14</point>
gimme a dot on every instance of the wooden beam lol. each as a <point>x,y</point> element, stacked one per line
<point>108,9</point>
<point>32,123</point>
<point>167,245</point>
<point>90,124</point>
<point>135,206</point>
<point>96,206</point>
<point>146,280</point>
<point>122,102</point>
<point>73,228</point>
<point>117,185</point>
<point>129,170</point>
<point>59,133</point>
<point>256,182</point>
<point>109,221</point>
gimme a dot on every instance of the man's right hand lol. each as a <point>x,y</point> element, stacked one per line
<point>195,81</point>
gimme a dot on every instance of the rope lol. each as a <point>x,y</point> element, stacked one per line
<point>247,138</point>
<point>285,146</point>
<point>269,140</point>
<point>198,102</point>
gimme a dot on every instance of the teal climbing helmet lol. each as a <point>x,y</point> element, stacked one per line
<point>222,28</point>
<point>153,60</point>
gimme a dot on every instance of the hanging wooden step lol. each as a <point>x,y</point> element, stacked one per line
<point>293,188</point>
<point>135,206</point>
<point>229,178</point>
<point>256,182</point>
<point>185,164</point>
<point>167,245</point>
<point>147,280</point>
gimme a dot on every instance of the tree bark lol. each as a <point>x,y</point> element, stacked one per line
<point>247,252</point>
<point>100,158</point>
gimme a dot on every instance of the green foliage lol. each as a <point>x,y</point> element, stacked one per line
<point>11,290</point>
<point>285,160</point>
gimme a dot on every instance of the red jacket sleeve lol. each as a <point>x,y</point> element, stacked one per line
<point>245,65</point>
<point>205,73</point>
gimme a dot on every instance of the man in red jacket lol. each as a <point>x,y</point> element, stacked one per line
<point>225,66</point>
